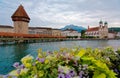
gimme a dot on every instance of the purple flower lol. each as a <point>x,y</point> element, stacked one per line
<point>22,66</point>
<point>40,59</point>
<point>68,76</point>
<point>81,74</point>
<point>116,71</point>
<point>37,58</point>
<point>72,73</point>
<point>61,75</point>
<point>16,64</point>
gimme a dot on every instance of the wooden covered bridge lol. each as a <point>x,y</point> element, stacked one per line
<point>27,38</point>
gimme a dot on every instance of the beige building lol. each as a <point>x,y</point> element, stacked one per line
<point>31,30</point>
<point>40,30</point>
<point>21,20</point>
<point>100,31</point>
<point>4,28</point>
<point>56,32</point>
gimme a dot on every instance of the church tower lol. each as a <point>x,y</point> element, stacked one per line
<point>21,20</point>
<point>106,24</point>
<point>106,28</point>
<point>101,24</point>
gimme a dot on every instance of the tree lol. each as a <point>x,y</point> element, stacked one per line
<point>83,33</point>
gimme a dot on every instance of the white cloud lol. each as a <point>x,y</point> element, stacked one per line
<point>58,13</point>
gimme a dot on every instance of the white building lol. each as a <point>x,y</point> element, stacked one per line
<point>118,34</point>
<point>71,32</point>
<point>111,35</point>
<point>100,31</point>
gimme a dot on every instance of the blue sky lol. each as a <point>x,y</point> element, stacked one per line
<point>58,13</point>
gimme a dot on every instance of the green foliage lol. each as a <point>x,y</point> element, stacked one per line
<point>118,51</point>
<point>89,37</point>
<point>78,62</point>
<point>72,36</point>
<point>83,33</point>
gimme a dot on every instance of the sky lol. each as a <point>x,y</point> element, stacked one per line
<point>59,13</point>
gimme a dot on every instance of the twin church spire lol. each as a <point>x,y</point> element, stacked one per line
<point>101,23</point>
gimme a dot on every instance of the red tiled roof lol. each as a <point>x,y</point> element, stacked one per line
<point>20,13</point>
<point>39,28</point>
<point>93,29</point>
<point>55,29</point>
<point>5,26</point>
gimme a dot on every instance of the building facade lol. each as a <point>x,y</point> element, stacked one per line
<point>4,28</point>
<point>111,35</point>
<point>100,31</point>
<point>115,31</point>
<point>118,35</point>
<point>71,33</point>
<point>40,30</point>
<point>56,32</point>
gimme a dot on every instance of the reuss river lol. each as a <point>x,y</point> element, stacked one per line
<point>14,52</point>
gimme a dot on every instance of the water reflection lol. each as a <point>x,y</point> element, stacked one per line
<point>9,55</point>
<point>20,51</point>
<point>97,44</point>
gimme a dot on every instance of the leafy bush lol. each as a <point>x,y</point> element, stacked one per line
<point>66,63</point>
<point>116,63</point>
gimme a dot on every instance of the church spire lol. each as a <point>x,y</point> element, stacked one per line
<point>101,23</point>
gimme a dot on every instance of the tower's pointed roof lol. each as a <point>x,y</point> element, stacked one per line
<point>20,13</point>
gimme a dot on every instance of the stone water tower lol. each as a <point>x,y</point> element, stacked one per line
<point>21,20</point>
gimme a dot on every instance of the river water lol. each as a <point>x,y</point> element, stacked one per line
<point>14,52</point>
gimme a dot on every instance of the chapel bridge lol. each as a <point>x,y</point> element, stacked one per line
<point>27,38</point>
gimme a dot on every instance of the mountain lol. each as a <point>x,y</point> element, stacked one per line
<point>114,29</point>
<point>74,27</point>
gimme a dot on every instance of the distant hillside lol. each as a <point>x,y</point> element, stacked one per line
<point>114,29</point>
<point>74,27</point>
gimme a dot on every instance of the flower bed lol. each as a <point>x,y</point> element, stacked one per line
<point>69,63</point>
